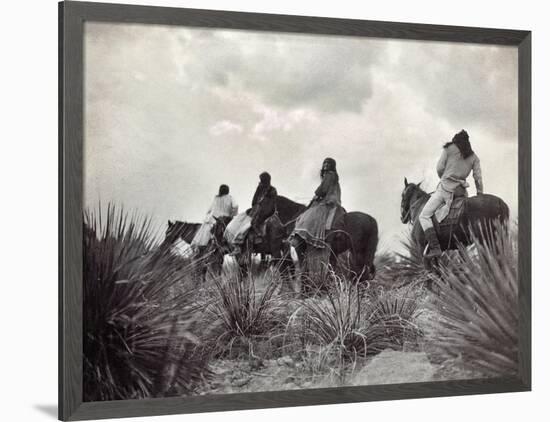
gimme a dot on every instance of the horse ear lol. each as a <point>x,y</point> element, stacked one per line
<point>170,224</point>
<point>406,182</point>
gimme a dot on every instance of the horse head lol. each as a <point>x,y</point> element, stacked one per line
<point>287,209</point>
<point>408,196</point>
<point>180,230</point>
<point>262,207</point>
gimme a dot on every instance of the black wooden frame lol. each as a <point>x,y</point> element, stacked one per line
<point>72,16</point>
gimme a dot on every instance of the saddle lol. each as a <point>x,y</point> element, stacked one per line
<point>334,218</point>
<point>453,217</point>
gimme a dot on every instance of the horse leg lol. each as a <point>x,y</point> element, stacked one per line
<point>243,263</point>
<point>217,264</point>
<point>263,262</point>
<point>302,278</point>
<point>283,258</point>
<point>245,258</point>
<point>357,266</point>
<point>317,272</point>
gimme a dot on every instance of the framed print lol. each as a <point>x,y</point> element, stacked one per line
<point>266,210</point>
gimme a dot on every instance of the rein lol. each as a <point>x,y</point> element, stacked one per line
<point>413,205</point>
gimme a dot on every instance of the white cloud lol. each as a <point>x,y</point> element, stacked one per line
<point>159,99</point>
<point>273,120</point>
<point>225,127</point>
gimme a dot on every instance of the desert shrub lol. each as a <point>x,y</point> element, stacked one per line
<point>242,315</point>
<point>478,304</point>
<point>397,269</point>
<point>138,313</point>
<point>348,325</point>
<point>334,322</point>
<point>392,319</point>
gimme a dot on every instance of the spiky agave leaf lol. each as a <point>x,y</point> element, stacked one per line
<point>391,320</point>
<point>333,322</point>
<point>354,325</point>
<point>478,303</point>
<point>241,313</point>
<point>397,269</point>
<point>138,313</point>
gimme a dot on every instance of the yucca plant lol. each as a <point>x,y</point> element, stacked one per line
<point>334,321</point>
<point>391,320</point>
<point>242,315</point>
<point>138,313</point>
<point>478,303</point>
<point>353,325</point>
<point>402,268</point>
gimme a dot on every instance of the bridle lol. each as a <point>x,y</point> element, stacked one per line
<point>407,218</point>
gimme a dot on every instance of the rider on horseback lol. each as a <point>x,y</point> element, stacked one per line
<point>223,205</point>
<point>266,195</point>
<point>263,206</point>
<point>455,164</point>
<point>312,225</point>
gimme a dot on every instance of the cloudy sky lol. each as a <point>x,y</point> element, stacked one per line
<point>171,113</point>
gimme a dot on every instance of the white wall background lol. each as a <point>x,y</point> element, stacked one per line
<point>28,212</point>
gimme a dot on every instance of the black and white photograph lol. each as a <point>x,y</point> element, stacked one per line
<point>275,210</point>
<point>271,211</point>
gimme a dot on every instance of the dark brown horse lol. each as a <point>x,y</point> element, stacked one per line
<point>480,216</point>
<point>356,232</point>
<point>273,242</point>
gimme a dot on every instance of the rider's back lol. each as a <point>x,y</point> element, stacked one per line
<point>453,169</point>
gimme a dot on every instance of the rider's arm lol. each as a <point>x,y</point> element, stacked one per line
<point>324,187</point>
<point>477,175</point>
<point>234,207</point>
<point>441,163</point>
<point>256,196</point>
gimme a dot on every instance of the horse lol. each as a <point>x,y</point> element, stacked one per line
<point>357,234</point>
<point>177,230</point>
<point>479,219</point>
<point>273,242</point>
<point>206,255</point>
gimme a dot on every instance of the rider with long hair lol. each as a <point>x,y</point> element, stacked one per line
<point>223,205</point>
<point>313,224</point>
<point>455,164</point>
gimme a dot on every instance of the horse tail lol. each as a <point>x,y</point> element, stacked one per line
<point>371,245</point>
<point>504,214</point>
